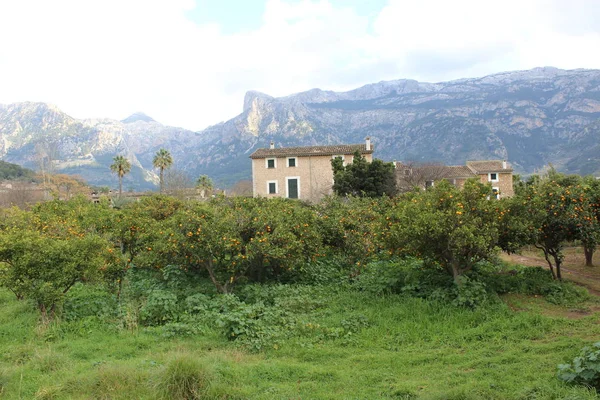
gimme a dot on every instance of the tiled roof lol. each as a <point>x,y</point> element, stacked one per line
<point>437,171</point>
<point>487,166</point>
<point>458,171</point>
<point>342,149</point>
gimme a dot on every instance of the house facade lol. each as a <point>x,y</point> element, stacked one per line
<point>300,172</point>
<point>498,173</point>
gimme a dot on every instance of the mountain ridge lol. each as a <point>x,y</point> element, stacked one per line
<point>530,117</point>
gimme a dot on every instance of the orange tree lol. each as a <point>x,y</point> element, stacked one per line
<point>546,215</point>
<point>351,227</point>
<point>445,226</point>
<point>43,254</point>
<point>234,239</point>
<point>590,218</point>
<point>138,229</point>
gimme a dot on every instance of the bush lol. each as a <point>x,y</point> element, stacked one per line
<point>585,369</point>
<point>565,293</point>
<point>469,293</point>
<point>324,271</point>
<point>160,307</point>
<point>380,277</point>
<point>184,378</point>
<point>254,325</point>
<point>88,301</point>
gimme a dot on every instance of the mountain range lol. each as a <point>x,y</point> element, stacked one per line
<point>530,118</point>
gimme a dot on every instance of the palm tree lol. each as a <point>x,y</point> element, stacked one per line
<point>120,166</point>
<point>205,184</point>
<point>162,160</point>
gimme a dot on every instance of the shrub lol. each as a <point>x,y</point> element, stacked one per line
<point>469,293</point>
<point>160,307</point>
<point>184,378</point>
<point>382,277</point>
<point>254,325</point>
<point>585,369</point>
<point>87,301</point>
<point>565,293</point>
<point>323,271</point>
<point>197,304</point>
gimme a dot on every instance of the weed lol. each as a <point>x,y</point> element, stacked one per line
<point>585,369</point>
<point>184,378</point>
<point>48,360</point>
<point>49,392</point>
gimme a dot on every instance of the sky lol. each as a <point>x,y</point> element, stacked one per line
<point>188,63</point>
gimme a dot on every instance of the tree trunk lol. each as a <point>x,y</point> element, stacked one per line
<point>546,256</point>
<point>455,273</point>
<point>557,262</point>
<point>211,273</point>
<point>161,179</point>
<point>120,185</point>
<point>589,254</point>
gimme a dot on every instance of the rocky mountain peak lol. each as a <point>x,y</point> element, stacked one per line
<point>137,116</point>
<point>255,99</point>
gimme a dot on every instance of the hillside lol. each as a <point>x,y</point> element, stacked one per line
<point>531,118</point>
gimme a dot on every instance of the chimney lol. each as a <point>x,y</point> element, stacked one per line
<point>272,145</point>
<point>368,143</point>
<point>503,164</point>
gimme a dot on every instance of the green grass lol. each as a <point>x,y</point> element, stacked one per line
<point>404,348</point>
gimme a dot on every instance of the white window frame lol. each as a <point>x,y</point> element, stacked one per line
<point>274,162</point>
<point>276,187</point>
<point>497,189</point>
<point>287,162</point>
<point>287,186</point>
<point>340,156</point>
<point>490,177</point>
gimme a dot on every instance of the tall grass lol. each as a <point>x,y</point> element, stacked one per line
<point>339,344</point>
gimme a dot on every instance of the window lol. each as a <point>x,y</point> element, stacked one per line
<point>342,157</point>
<point>496,193</point>
<point>272,187</point>
<point>493,177</point>
<point>292,162</point>
<point>407,172</point>
<point>293,187</point>
<point>271,163</point>
<point>429,184</point>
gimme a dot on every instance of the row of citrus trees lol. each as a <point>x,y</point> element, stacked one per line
<point>50,248</point>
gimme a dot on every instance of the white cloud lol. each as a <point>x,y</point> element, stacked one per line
<point>109,58</point>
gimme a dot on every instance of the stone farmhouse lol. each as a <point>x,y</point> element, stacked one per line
<point>496,172</point>
<point>300,172</point>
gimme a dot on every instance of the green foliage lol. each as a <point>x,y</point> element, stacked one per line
<point>89,301</point>
<point>363,179</point>
<point>185,378</point>
<point>44,268</point>
<point>120,166</point>
<point>445,226</point>
<point>162,160</point>
<point>565,293</point>
<point>469,293</point>
<point>352,228</point>
<point>585,369</point>
<point>384,277</point>
<point>237,239</point>
<point>549,212</point>
<point>10,171</point>
<point>160,307</point>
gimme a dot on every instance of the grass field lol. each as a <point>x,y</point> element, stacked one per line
<point>398,348</point>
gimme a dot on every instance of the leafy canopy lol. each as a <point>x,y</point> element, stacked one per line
<point>363,179</point>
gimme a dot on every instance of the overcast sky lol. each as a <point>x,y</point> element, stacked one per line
<point>189,62</point>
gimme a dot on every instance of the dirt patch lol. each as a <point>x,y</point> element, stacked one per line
<point>572,269</point>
